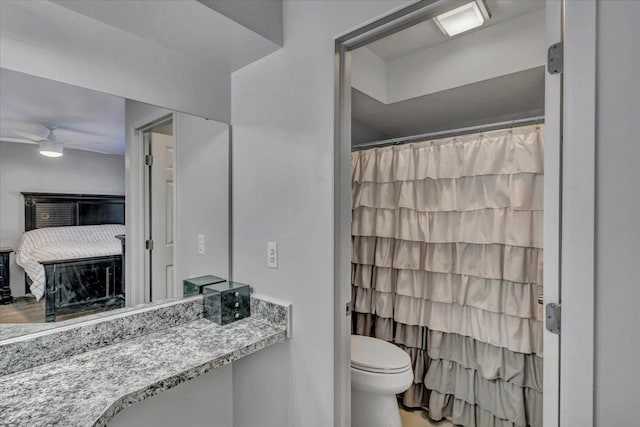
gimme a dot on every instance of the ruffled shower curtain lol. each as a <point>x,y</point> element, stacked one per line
<point>447,264</point>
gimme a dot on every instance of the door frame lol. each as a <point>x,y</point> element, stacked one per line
<point>135,262</point>
<point>577,270</point>
<point>569,216</point>
<point>552,217</point>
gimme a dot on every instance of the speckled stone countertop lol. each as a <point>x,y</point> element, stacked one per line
<point>11,330</point>
<point>25,352</point>
<point>88,389</point>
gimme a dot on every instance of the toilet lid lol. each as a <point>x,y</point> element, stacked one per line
<point>374,355</point>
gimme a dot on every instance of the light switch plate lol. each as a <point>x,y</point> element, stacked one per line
<point>201,250</point>
<point>272,254</point>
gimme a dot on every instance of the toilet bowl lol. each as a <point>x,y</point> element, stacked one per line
<point>379,371</point>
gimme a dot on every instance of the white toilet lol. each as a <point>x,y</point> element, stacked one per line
<point>379,371</point>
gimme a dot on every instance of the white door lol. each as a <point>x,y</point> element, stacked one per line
<point>162,213</point>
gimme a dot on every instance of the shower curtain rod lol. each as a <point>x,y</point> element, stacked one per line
<point>450,133</point>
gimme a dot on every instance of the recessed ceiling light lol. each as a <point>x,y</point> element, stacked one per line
<point>463,18</point>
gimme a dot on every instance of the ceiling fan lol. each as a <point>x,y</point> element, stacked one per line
<point>49,146</point>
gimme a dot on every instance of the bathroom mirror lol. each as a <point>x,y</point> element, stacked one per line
<point>105,203</point>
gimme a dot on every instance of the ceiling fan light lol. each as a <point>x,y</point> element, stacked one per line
<point>51,148</point>
<point>50,153</point>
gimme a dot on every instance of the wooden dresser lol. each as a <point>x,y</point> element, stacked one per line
<point>5,282</point>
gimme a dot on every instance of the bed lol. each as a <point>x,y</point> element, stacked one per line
<point>72,251</point>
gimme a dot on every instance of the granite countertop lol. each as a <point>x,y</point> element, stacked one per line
<point>88,389</point>
<point>11,330</point>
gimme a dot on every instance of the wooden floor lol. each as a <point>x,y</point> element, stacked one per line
<point>28,310</point>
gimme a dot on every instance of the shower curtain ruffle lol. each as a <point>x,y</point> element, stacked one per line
<point>491,261</point>
<point>486,226</point>
<point>501,398</point>
<point>423,284</point>
<point>419,362</point>
<point>501,152</point>
<point>492,362</point>
<point>518,192</point>
<point>514,333</point>
<point>498,296</point>
<point>464,413</point>
<point>447,264</point>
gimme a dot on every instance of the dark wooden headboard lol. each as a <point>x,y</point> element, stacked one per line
<point>59,209</point>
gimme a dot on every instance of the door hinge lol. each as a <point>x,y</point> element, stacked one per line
<point>348,309</point>
<point>148,244</point>
<point>148,159</point>
<point>555,58</point>
<point>553,313</point>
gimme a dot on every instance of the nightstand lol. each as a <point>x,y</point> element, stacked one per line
<point>5,281</point>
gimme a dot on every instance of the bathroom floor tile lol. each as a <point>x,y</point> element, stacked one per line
<point>418,418</point>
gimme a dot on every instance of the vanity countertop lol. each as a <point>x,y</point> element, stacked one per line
<point>90,388</point>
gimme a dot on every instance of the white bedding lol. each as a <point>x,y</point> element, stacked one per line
<point>62,243</point>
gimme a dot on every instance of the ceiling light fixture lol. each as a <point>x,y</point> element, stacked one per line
<point>51,148</point>
<point>463,18</point>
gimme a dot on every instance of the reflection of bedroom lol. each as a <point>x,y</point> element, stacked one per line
<point>62,185</point>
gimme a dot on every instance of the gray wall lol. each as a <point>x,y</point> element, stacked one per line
<point>362,133</point>
<point>262,16</point>
<point>202,180</point>
<point>22,168</point>
<point>617,339</point>
<point>506,48</point>
<point>203,196</point>
<point>282,116</point>
<point>85,52</point>
<point>200,402</point>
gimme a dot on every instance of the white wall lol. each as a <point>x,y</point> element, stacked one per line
<point>22,168</point>
<point>50,41</point>
<point>505,48</point>
<point>617,296</point>
<point>282,116</point>
<point>203,196</point>
<point>369,73</point>
<point>200,402</point>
